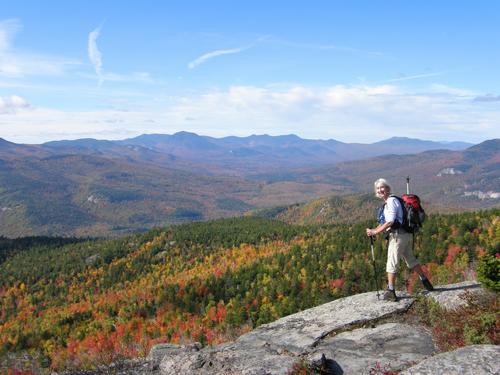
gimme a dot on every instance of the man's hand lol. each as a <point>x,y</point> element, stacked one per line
<point>371,232</point>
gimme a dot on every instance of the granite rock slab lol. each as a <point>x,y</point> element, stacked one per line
<point>300,332</point>
<point>390,346</point>
<point>470,360</point>
<point>275,347</point>
<point>451,296</point>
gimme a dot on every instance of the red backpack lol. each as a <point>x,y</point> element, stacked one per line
<point>413,213</point>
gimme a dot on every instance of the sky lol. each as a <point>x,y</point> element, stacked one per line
<point>354,71</point>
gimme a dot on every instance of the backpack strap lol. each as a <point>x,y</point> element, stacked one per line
<point>396,224</point>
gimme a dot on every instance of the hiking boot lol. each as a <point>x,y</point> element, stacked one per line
<point>389,295</point>
<point>427,285</point>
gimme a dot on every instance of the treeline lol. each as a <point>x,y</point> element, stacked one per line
<point>84,303</point>
<point>9,247</point>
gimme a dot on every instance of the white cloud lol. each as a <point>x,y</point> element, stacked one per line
<point>39,125</point>
<point>358,113</point>
<point>11,104</point>
<point>348,113</point>
<point>95,55</point>
<point>453,91</point>
<point>487,98</point>
<point>22,64</point>
<point>210,55</point>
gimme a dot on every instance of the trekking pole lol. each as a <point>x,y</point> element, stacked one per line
<point>413,234</point>
<point>374,267</point>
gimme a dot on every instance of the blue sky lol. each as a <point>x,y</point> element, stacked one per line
<point>355,71</point>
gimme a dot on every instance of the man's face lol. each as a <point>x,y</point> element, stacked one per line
<point>382,191</point>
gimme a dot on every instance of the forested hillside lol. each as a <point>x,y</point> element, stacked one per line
<point>107,189</point>
<point>76,305</point>
<point>346,209</point>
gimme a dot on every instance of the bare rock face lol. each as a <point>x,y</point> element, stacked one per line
<point>451,296</point>
<point>391,346</point>
<point>299,333</point>
<point>274,348</point>
<point>160,351</point>
<point>470,360</point>
<point>328,338</point>
<point>229,359</point>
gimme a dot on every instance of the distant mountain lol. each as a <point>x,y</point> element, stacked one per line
<point>92,188</point>
<point>260,153</point>
<point>83,143</point>
<point>486,151</point>
<point>411,146</point>
<point>5,144</point>
<point>241,156</point>
<point>48,191</point>
<point>457,145</point>
<point>180,142</point>
<point>447,179</point>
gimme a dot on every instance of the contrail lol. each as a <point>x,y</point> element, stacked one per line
<point>416,76</point>
<point>95,55</point>
<point>210,55</point>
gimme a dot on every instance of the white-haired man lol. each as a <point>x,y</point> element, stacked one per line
<point>399,240</point>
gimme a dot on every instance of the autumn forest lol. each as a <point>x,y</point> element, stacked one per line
<point>69,303</point>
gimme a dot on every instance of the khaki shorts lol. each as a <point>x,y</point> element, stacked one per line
<point>400,247</point>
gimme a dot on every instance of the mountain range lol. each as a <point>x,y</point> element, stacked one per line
<point>91,187</point>
<point>252,154</point>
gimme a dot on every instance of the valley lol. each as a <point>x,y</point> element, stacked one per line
<point>110,188</point>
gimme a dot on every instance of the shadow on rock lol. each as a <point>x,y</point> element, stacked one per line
<point>327,366</point>
<point>447,289</point>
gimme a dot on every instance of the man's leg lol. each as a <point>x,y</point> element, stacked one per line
<point>390,293</point>
<point>391,269</point>
<point>391,278</point>
<point>423,278</point>
<point>418,269</point>
<point>414,265</point>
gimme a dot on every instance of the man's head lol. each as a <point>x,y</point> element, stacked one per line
<point>382,188</point>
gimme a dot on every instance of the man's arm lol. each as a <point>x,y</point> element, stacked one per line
<point>379,229</point>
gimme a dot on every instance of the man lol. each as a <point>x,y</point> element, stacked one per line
<point>399,240</point>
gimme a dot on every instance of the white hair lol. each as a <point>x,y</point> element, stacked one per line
<point>381,182</point>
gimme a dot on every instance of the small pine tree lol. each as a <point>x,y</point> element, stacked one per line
<point>488,272</point>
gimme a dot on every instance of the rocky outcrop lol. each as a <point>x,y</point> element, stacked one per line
<point>353,335</point>
<point>276,347</point>
<point>392,345</point>
<point>453,296</point>
<point>471,360</point>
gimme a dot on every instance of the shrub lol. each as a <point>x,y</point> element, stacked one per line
<point>477,322</point>
<point>488,272</point>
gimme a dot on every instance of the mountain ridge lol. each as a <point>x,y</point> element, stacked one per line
<point>112,188</point>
